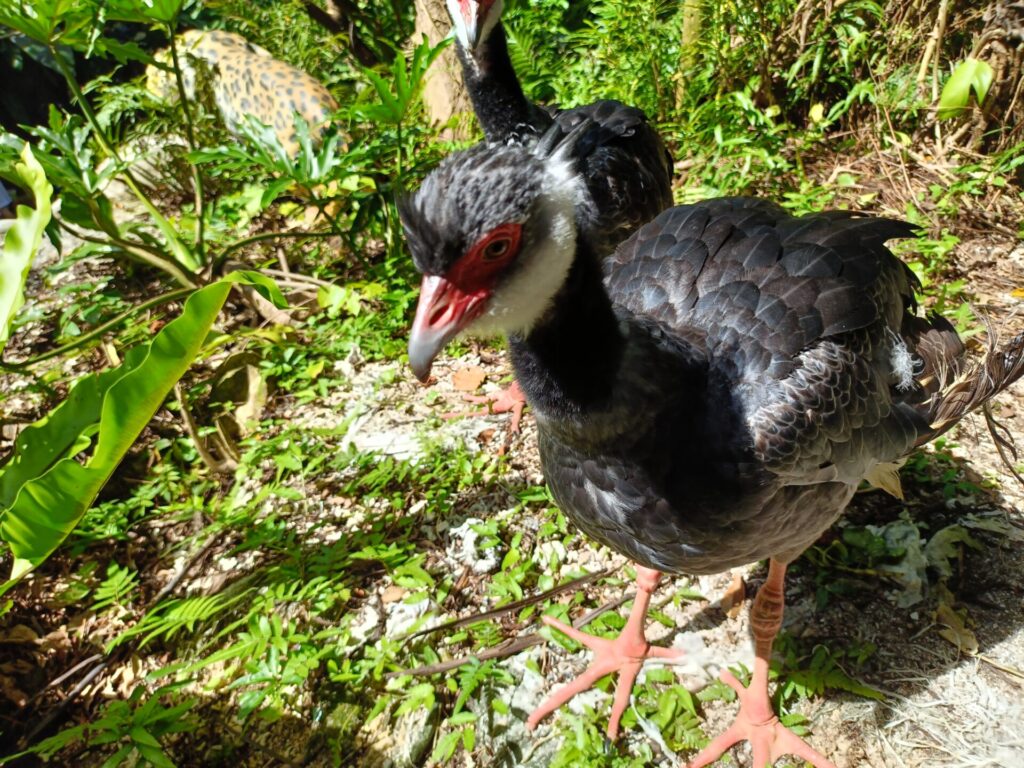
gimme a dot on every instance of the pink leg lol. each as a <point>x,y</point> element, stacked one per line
<point>511,400</point>
<point>756,722</point>
<point>625,654</point>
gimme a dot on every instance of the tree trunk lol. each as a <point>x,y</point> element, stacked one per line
<point>444,94</point>
<point>692,19</point>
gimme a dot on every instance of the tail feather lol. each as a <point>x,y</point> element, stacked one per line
<point>962,388</point>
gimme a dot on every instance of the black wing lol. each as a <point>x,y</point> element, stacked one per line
<point>801,320</point>
<point>626,167</point>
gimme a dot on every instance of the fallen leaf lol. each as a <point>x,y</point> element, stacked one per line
<point>19,634</point>
<point>732,599</point>
<point>955,631</point>
<point>468,379</point>
<point>392,594</point>
<point>1017,293</point>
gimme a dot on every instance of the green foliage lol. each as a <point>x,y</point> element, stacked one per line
<point>133,728</point>
<point>22,241</point>
<point>969,76</point>
<point>303,536</point>
<point>810,673</point>
<point>44,490</point>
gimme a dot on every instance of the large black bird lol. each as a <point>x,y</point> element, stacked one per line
<point>711,395</point>
<point>621,158</point>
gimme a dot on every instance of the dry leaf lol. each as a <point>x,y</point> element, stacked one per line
<point>732,599</point>
<point>468,379</point>
<point>10,691</point>
<point>955,631</point>
<point>19,634</point>
<point>392,594</point>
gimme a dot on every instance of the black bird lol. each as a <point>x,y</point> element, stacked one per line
<point>504,112</point>
<point>621,158</point>
<point>709,396</point>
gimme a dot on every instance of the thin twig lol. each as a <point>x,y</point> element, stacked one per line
<point>197,177</point>
<point>61,678</point>
<point>510,647</point>
<point>297,277</point>
<point>171,585</point>
<point>1003,440</point>
<point>93,673</point>
<point>80,686</point>
<point>99,330</point>
<point>514,606</point>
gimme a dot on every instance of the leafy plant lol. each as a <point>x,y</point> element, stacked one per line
<point>44,490</point>
<point>134,727</point>
<point>969,76</point>
<point>22,241</point>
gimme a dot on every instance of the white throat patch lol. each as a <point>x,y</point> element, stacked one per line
<point>518,304</point>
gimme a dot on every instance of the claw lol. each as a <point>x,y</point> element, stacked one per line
<point>769,739</point>
<point>510,400</point>
<point>625,655</point>
<point>756,721</point>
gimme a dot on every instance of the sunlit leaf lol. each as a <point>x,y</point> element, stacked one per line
<point>44,490</point>
<point>22,241</point>
<point>970,75</point>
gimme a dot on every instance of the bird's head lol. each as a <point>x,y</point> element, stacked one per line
<point>473,20</point>
<point>493,230</point>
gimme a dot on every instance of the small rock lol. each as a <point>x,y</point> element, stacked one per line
<point>403,616</point>
<point>402,744</point>
<point>462,550</point>
<point>366,622</point>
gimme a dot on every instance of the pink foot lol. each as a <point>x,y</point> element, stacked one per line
<point>757,723</point>
<point>510,400</point>
<point>625,655</point>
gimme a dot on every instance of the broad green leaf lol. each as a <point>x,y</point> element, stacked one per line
<point>22,241</point>
<point>970,74</point>
<point>44,491</point>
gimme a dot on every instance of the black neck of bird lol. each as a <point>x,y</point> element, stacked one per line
<point>569,362</point>
<point>498,98</point>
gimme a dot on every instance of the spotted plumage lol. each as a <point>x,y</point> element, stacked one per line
<point>246,79</point>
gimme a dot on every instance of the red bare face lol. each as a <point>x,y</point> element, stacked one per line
<point>450,302</point>
<point>486,259</point>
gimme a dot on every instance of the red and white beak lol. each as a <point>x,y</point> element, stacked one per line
<point>444,309</point>
<point>473,22</point>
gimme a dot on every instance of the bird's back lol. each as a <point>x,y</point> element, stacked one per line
<point>815,372</point>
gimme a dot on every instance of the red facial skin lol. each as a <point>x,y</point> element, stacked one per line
<point>450,302</point>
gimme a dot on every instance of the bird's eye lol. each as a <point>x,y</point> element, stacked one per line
<point>497,249</point>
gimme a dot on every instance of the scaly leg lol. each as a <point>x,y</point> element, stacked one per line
<point>756,722</point>
<point>625,654</point>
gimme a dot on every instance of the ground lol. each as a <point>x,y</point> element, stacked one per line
<point>882,619</point>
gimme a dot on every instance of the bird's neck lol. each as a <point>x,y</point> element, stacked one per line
<point>568,363</point>
<point>498,99</point>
